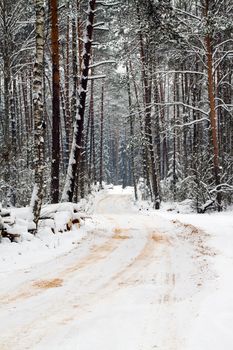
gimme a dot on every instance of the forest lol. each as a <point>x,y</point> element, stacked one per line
<point>116,174</point>
<point>133,93</point>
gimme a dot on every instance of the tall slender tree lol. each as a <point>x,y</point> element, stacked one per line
<point>76,150</point>
<point>102,136</point>
<point>211,94</point>
<point>55,103</point>
<point>37,196</point>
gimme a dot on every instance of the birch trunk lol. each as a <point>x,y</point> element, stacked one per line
<point>101,136</point>
<point>68,122</point>
<point>55,104</point>
<point>131,134</point>
<point>37,196</point>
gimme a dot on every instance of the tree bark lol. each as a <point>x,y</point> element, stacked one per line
<point>149,152</point>
<point>131,134</point>
<point>37,196</point>
<point>55,104</point>
<point>76,149</point>
<point>101,135</point>
<point>68,122</point>
<point>213,115</point>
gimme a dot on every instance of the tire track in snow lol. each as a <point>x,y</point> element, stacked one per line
<point>171,302</point>
<point>98,254</point>
<point>153,263</point>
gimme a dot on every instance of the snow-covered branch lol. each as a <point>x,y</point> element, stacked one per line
<point>108,4</point>
<point>165,72</point>
<point>94,65</point>
<point>188,14</point>
<point>98,24</point>
<point>169,104</point>
<point>219,61</point>
<point>94,77</point>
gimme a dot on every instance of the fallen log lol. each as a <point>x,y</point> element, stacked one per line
<point>11,236</point>
<point>9,221</point>
<point>5,213</point>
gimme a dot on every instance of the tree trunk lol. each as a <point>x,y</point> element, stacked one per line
<point>101,135</point>
<point>149,152</point>
<point>131,134</point>
<point>37,196</point>
<point>76,149</point>
<point>68,122</point>
<point>213,115</point>
<point>55,104</point>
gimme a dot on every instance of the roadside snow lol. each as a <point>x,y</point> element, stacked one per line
<point>52,239</point>
<point>212,329</point>
<point>45,246</point>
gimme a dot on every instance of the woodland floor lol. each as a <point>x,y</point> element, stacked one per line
<point>138,281</point>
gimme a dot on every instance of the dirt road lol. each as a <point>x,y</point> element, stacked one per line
<point>134,285</point>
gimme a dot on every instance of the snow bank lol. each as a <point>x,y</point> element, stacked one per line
<point>61,228</point>
<point>53,237</point>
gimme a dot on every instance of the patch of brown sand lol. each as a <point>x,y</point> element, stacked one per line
<point>119,233</point>
<point>46,284</point>
<point>158,238</point>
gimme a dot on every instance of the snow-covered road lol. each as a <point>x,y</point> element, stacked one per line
<point>134,283</point>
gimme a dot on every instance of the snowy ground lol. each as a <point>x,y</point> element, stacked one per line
<point>127,280</point>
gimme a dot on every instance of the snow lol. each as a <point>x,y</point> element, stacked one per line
<point>212,328</point>
<point>45,245</point>
<point>128,278</point>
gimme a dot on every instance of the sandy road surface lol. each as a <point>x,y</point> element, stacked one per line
<point>135,285</point>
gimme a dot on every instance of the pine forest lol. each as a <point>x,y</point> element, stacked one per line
<point>126,92</point>
<point>116,174</point>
